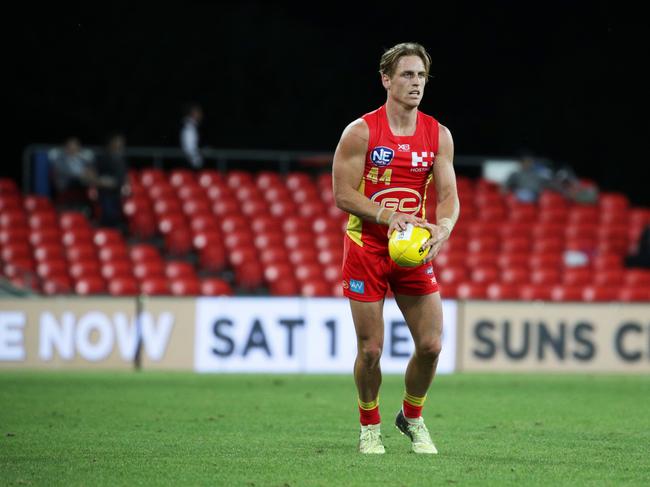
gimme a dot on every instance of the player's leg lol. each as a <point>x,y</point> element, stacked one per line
<point>423,315</point>
<point>369,327</point>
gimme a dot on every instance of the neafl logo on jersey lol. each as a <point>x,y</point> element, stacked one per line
<point>381,156</point>
<point>404,200</point>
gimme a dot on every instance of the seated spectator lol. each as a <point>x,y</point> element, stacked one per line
<point>574,189</point>
<point>71,173</point>
<point>111,181</point>
<point>530,180</point>
<point>642,257</point>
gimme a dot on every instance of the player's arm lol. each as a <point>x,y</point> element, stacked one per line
<point>448,205</point>
<point>348,167</point>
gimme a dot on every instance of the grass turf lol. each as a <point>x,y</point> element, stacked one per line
<point>256,430</point>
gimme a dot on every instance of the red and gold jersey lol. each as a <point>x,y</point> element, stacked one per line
<point>396,174</point>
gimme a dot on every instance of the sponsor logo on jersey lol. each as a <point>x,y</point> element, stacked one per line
<point>429,270</point>
<point>423,159</point>
<point>382,156</point>
<point>404,147</point>
<point>357,286</point>
<point>404,200</point>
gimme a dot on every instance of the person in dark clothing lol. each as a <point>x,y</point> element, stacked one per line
<point>111,181</point>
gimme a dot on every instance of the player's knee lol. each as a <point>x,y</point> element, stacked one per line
<point>370,353</point>
<point>430,349</point>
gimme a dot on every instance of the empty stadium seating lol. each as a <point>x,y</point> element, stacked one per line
<point>216,233</point>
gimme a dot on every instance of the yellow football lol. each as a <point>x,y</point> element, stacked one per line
<point>405,247</point>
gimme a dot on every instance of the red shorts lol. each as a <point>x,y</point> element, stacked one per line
<point>367,275</point>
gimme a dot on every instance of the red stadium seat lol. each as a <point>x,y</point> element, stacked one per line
<point>85,268</point>
<point>607,261</point>
<point>178,241</point>
<point>448,290</point>
<point>583,214</point>
<point>268,239</point>
<point>637,277</point>
<point>10,253</point>
<point>521,259</point>
<point>481,259</point>
<point>53,267</point>
<point>278,271</point>
<point>553,216</point>
<point>326,257</point>
<point>308,272</point>
<point>548,230</point>
<point>179,269</point>
<point>18,236</point>
<point>546,276</point>
<point>152,175</point>
<point>535,292</point>
<point>117,268</point>
<point>33,203</point>
<point>514,245</point>
<point>81,236</point>
<point>113,252</point>
<point>90,286</point>
<point>249,275</point>
<point>203,223</point>
<point>154,286</point>
<point>49,252</point>
<point>552,199</point>
<point>285,287</point>
<point>447,259</point>
<point>267,179</point>
<point>546,260</point>
<point>515,275</point>
<point>562,292</point>
<point>107,236</point>
<point>123,286</point>
<point>486,274</point>
<point>144,252</point>
<point>73,220</point>
<point>492,213</point>
<point>303,256</point>
<point>487,243</point>
<point>500,291</point>
<point>452,275</point>
<point>252,208</point>
<point>634,294</point>
<point>212,258</point>
<point>578,276</point>
<point>599,293</point>
<point>282,209</point>
<point>148,269</point>
<point>297,180</point>
<point>162,191</point>
<point>215,287</point>
<point>13,218</point>
<point>210,177</point>
<point>47,236</point>
<point>332,273</point>
<point>185,286</point>
<point>242,255</point>
<point>548,244</point>
<point>327,225</point>
<point>514,229</point>
<point>315,288</point>
<point>81,252</point>
<point>181,177</point>
<point>274,255</point>
<point>265,223</point>
<point>236,178</point>
<point>11,202</point>
<point>472,290</point>
<point>581,230</point>
<point>523,212</point>
<point>609,277</point>
<point>299,240</point>
<point>59,284</point>
<point>613,201</point>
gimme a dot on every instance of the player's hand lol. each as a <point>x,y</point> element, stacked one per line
<point>439,235</point>
<point>398,221</point>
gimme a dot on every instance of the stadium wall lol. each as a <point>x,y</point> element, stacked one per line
<point>314,335</point>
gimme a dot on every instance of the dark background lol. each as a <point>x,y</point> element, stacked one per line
<point>565,80</point>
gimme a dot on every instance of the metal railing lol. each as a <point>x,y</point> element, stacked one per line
<point>221,159</point>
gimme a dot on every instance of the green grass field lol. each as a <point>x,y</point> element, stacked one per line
<point>255,430</point>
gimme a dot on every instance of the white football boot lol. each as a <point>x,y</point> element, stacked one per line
<point>417,431</point>
<point>370,440</point>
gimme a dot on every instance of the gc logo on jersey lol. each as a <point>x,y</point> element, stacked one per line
<point>381,156</point>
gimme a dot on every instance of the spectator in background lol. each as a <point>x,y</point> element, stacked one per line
<point>111,181</point>
<point>642,257</point>
<point>530,180</point>
<point>71,175</point>
<point>190,140</point>
<point>574,189</point>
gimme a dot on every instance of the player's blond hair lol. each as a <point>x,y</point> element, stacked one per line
<point>391,57</point>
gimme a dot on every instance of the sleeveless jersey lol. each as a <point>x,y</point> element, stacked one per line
<point>397,172</point>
